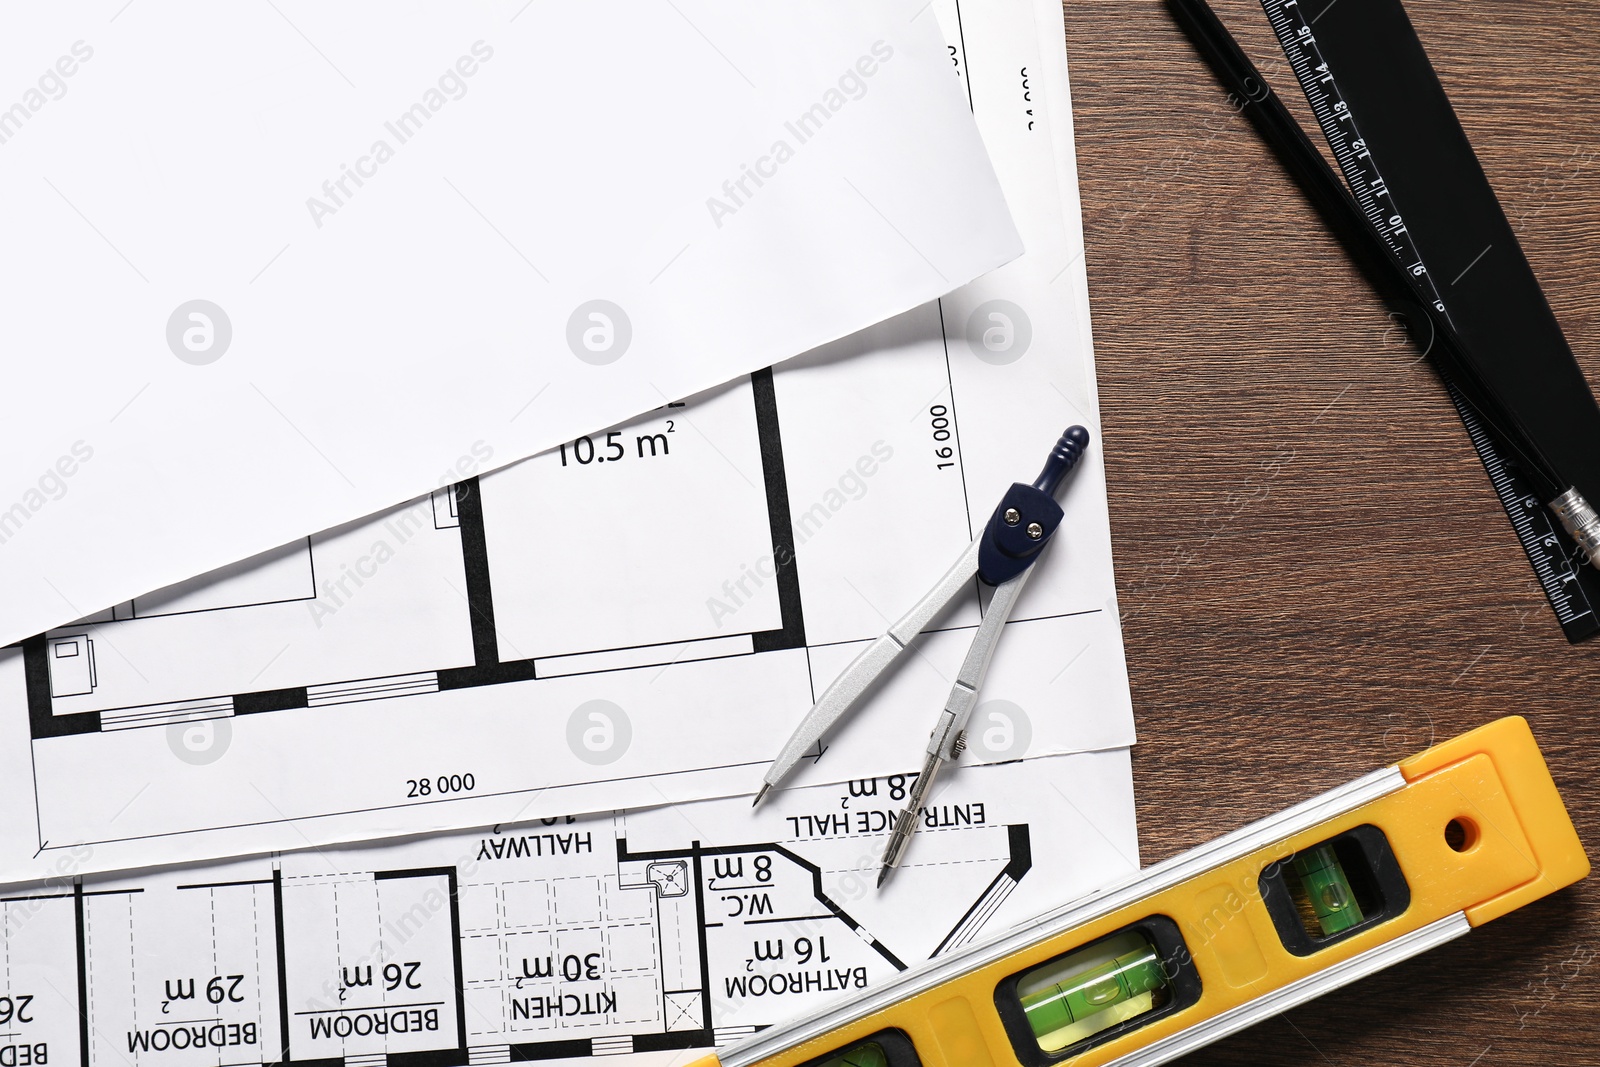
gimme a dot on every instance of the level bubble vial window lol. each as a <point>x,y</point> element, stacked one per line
<point>1092,989</point>
<point>1322,892</point>
<point>886,1048</point>
<point>1334,889</point>
<point>1094,993</point>
<point>869,1054</point>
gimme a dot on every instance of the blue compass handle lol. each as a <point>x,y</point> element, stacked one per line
<point>1065,456</point>
<point>1028,515</point>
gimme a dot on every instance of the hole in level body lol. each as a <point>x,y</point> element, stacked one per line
<point>1461,834</point>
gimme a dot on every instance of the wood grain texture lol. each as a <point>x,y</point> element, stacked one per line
<point>1315,576</point>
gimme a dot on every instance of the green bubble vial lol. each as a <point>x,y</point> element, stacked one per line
<point>1090,990</point>
<point>1326,890</point>
<point>868,1054</point>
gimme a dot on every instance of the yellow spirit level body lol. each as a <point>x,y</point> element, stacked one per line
<point>1230,933</point>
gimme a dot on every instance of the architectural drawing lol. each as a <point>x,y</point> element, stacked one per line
<point>560,940</point>
<point>638,617</point>
<point>458,548</point>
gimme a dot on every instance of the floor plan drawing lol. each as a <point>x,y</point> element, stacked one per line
<point>638,617</point>
<point>441,560</point>
<point>634,933</point>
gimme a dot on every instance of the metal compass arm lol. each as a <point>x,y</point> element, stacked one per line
<point>874,660</point>
<point>949,737</point>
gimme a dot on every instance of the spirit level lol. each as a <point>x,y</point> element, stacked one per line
<point>1235,931</point>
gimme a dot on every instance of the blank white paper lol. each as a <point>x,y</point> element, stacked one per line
<point>270,267</point>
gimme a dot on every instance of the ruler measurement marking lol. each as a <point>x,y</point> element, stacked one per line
<point>1540,533</point>
<point>1532,524</point>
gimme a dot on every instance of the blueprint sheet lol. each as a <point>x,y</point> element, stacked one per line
<point>641,616</point>
<point>649,935</point>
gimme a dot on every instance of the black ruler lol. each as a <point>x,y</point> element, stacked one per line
<point>1376,97</point>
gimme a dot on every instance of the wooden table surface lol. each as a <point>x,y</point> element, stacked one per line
<point>1315,577</point>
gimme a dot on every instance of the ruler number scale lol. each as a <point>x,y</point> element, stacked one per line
<point>1349,148</point>
<point>1555,561</point>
